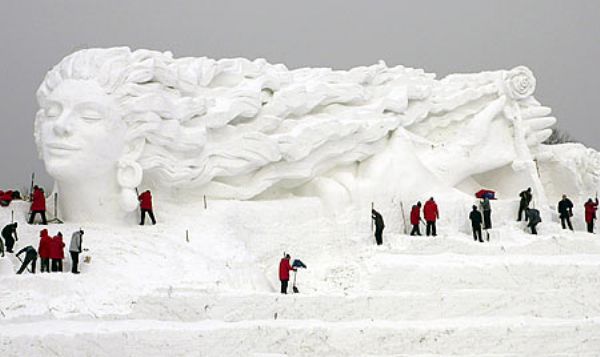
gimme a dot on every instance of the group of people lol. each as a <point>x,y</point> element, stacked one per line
<point>483,221</point>
<point>38,206</point>
<point>50,250</point>
<point>430,213</point>
<point>564,208</point>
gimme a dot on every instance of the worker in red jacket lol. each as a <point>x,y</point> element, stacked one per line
<point>146,206</point>
<point>38,204</point>
<point>57,252</point>
<point>590,214</point>
<point>431,214</point>
<point>284,272</point>
<point>415,219</point>
<point>44,250</point>
<point>6,197</point>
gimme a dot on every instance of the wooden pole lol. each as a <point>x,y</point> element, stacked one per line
<point>187,236</point>
<point>56,205</point>
<point>371,214</point>
<point>403,218</point>
<point>204,198</point>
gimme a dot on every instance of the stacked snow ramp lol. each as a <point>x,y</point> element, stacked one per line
<point>500,302</point>
<point>148,292</point>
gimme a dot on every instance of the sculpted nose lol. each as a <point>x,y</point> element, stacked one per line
<point>62,125</point>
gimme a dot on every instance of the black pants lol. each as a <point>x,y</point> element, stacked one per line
<point>45,265</point>
<point>29,258</point>
<point>57,265</point>
<point>75,260</point>
<point>10,243</point>
<point>477,233</point>
<point>533,230</point>
<point>487,219</point>
<point>150,213</point>
<point>379,236</point>
<point>284,285</point>
<point>431,228</point>
<point>566,219</point>
<point>590,226</point>
<point>415,230</point>
<point>42,213</point>
<point>522,209</point>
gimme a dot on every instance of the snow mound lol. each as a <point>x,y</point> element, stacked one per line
<point>150,291</point>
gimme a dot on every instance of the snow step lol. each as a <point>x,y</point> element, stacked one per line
<point>473,336</point>
<point>190,306</point>
<point>511,272</point>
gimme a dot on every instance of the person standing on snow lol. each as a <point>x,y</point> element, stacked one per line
<point>415,219</point>
<point>30,257</point>
<point>590,214</point>
<point>524,203</point>
<point>284,272</point>
<point>57,252</point>
<point>486,207</point>
<point>75,249</point>
<point>44,251</point>
<point>146,206</point>
<point>475,217</point>
<point>565,211</point>
<point>379,226</point>
<point>38,205</point>
<point>533,216</point>
<point>431,214</point>
<point>8,232</point>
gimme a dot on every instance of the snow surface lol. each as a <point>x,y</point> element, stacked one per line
<point>149,292</point>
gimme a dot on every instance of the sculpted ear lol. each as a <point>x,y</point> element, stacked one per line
<point>130,174</point>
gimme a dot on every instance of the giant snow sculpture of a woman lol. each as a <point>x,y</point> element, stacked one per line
<point>112,119</point>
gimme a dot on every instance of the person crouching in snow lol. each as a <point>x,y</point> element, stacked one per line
<point>44,251</point>
<point>526,198</point>
<point>38,205</point>
<point>475,217</point>
<point>146,206</point>
<point>57,253</point>
<point>379,226</point>
<point>431,214</point>
<point>590,214</point>
<point>75,249</point>
<point>533,216</point>
<point>284,272</point>
<point>30,257</point>
<point>415,218</point>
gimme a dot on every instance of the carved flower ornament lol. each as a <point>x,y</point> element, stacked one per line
<point>519,83</point>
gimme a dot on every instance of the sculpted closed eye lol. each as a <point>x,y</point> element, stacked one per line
<point>52,111</point>
<point>91,114</point>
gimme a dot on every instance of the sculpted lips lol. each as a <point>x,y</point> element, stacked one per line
<point>61,147</point>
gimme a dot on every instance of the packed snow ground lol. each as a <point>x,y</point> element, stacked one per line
<point>150,292</point>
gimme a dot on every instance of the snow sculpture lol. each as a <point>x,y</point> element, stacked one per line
<point>113,119</point>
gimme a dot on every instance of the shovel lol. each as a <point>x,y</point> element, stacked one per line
<point>294,287</point>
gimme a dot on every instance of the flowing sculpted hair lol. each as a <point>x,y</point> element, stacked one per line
<point>234,128</point>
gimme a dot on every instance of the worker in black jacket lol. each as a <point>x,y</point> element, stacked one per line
<point>565,212</point>
<point>9,233</point>
<point>476,219</point>
<point>30,257</point>
<point>379,226</point>
<point>526,197</point>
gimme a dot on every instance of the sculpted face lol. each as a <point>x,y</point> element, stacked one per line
<point>81,133</point>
